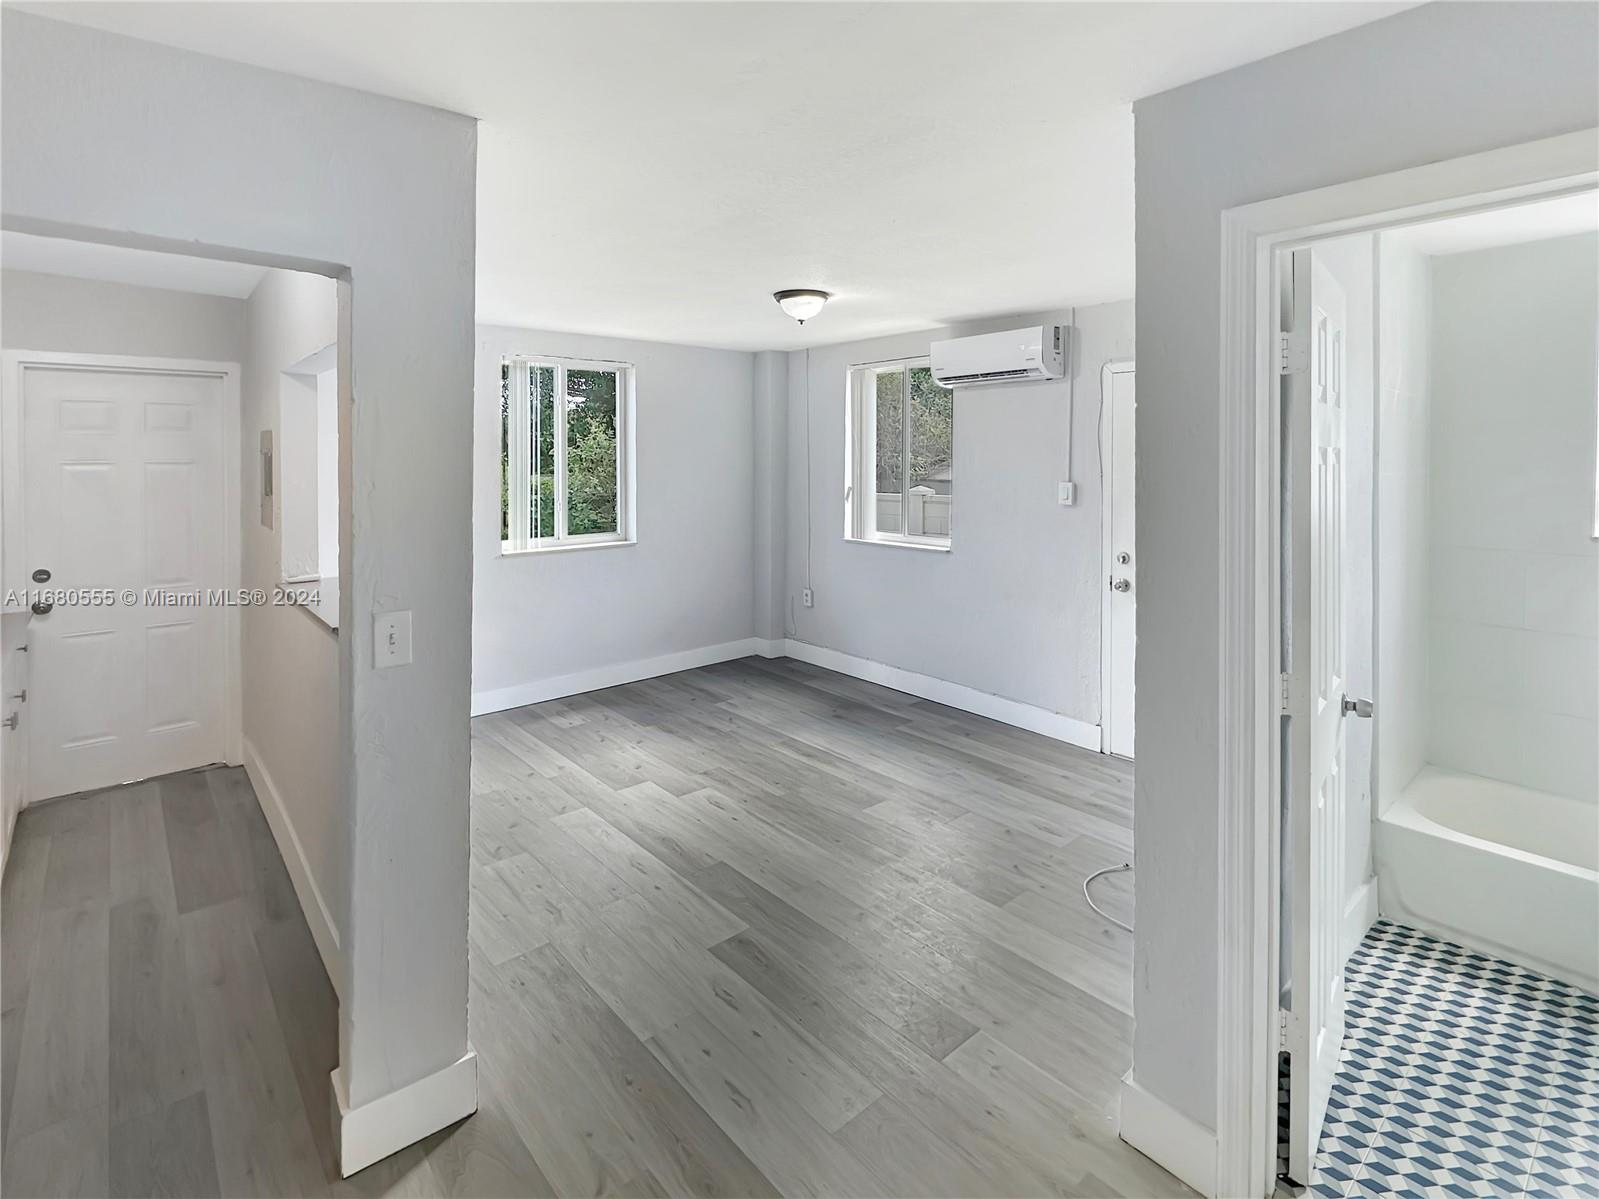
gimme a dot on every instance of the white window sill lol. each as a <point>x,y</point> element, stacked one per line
<point>326,609</point>
<point>566,547</point>
<point>904,543</point>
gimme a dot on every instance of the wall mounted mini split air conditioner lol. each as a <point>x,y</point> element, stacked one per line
<point>1016,355</point>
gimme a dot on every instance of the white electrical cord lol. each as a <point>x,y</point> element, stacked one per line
<point>1090,898</point>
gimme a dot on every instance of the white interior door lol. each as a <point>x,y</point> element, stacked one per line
<point>1120,567</point>
<point>122,496</point>
<point>1314,777</point>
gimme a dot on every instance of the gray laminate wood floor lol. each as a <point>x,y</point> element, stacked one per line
<point>748,930</point>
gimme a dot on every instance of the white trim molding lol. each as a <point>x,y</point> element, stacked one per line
<point>1167,1137</point>
<point>615,674</point>
<point>389,1123</point>
<point>324,929</point>
<point>1248,779</point>
<point>953,695</point>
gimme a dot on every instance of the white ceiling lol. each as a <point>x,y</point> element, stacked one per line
<point>1505,226</point>
<point>115,264</point>
<point>657,170</point>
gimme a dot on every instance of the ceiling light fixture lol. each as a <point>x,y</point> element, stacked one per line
<point>801,303</point>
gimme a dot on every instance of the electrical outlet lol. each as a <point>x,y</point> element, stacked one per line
<point>807,598</point>
<point>391,639</point>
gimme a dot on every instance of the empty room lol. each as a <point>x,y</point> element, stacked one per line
<point>744,599</point>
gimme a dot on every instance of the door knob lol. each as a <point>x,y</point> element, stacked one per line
<point>1121,584</point>
<point>10,722</point>
<point>1360,707</point>
<point>42,607</point>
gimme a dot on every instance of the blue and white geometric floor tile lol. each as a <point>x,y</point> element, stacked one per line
<point>1462,1076</point>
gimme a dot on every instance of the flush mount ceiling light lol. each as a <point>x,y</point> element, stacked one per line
<point>801,303</point>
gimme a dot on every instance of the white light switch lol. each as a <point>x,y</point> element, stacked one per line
<point>1068,494</point>
<point>391,639</point>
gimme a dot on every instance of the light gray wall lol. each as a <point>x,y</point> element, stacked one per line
<point>1013,608</point>
<point>771,492</point>
<point>1351,261</point>
<point>1403,543</point>
<point>290,659</point>
<point>213,156</point>
<point>1431,83</point>
<point>689,581</point>
<point>1515,567</point>
<point>87,316</point>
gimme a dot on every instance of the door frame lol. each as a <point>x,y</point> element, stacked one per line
<point>13,366</point>
<point>1107,373</point>
<point>1249,769</point>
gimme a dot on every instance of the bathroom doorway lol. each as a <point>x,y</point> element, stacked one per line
<point>1440,709</point>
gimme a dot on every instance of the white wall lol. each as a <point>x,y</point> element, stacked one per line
<point>215,157</point>
<point>1515,568</point>
<point>1404,514</point>
<point>1013,608</point>
<point>291,659</point>
<point>1432,83</point>
<point>1351,260</point>
<point>85,316</point>
<point>688,583</point>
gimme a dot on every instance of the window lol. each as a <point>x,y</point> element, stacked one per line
<point>307,468</point>
<point>565,453</point>
<point>901,487</point>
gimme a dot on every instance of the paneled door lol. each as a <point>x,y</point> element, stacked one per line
<point>1119,625</point>
<point>1313,706</point>
<point>123,506</point>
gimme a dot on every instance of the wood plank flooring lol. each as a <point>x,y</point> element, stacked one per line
<point>754,929</point>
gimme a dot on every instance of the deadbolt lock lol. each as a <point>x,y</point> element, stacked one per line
<point>41,575</point>
<point>1123,558</point>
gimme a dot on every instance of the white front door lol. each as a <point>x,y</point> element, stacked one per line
<point>122,496</point>
<point>1119,629</point>
<point>1314,778</point>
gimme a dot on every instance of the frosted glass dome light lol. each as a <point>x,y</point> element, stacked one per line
<point>801,303</point>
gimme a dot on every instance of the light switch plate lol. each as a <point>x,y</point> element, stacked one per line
<point>391,639</point>
<point>1068,494</point>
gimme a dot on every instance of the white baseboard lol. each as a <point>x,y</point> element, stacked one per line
<point>324,930</point>
<point>1359,915</point>
<point>389,1123</point>
<point>953,695</point>
<point>1167,1137</point>
<point>614,675</point>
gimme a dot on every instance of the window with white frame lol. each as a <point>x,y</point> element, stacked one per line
<point>901,486</point>
<point>565,453</point>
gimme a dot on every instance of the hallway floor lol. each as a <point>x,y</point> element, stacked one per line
<point>754,929</point>
<point>1462,1076</point>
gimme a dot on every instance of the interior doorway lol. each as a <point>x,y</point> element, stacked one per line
<point>1471,483</point>
<point>122,476</point>
<point>1256,692</point>
<point>1119,565</point>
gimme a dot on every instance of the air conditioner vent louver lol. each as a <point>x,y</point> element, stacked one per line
<point>1017,355</point>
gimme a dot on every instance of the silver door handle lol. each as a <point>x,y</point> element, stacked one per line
<point>10,722</point>
<point>1360,707</point>
<point>1121,584</point>
<point>42,607</point>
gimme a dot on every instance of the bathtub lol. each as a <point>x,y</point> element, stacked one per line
<point>1498,868</point>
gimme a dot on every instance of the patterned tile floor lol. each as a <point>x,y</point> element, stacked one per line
<point>1462,1076</point>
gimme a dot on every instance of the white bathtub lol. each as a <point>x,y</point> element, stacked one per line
<point>1497,868</point>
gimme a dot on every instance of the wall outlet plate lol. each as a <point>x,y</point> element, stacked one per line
<point>807,597</point>
<point>1068,494</point>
